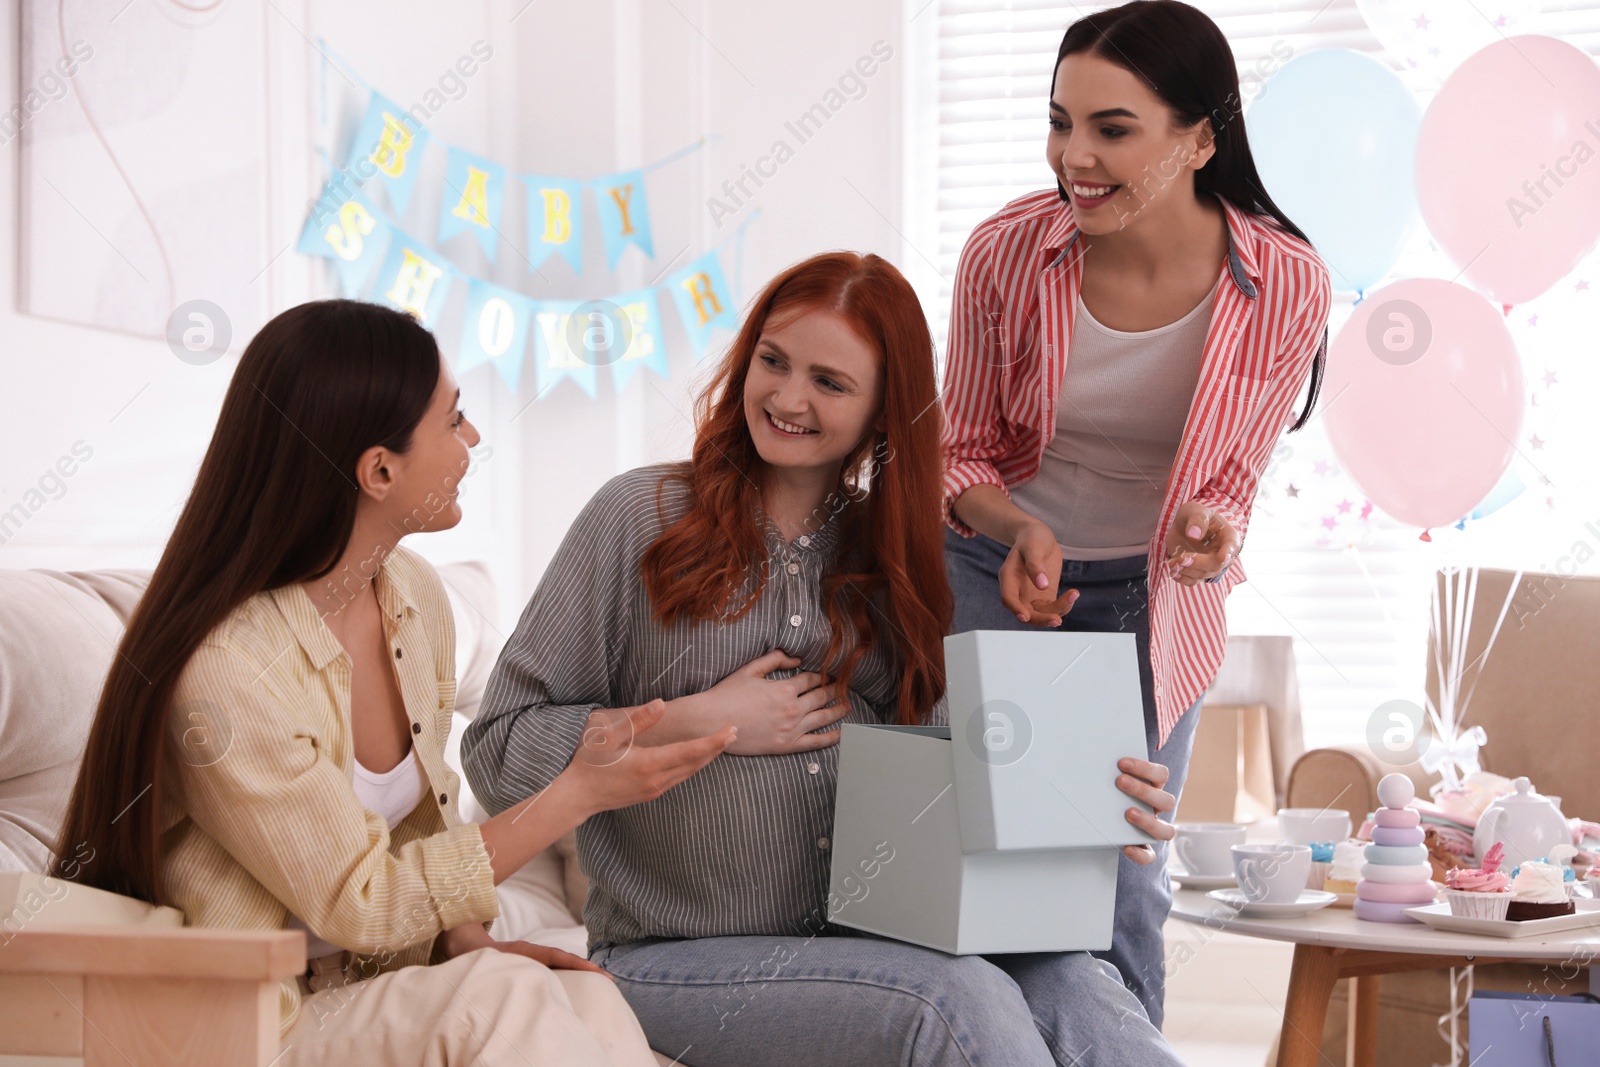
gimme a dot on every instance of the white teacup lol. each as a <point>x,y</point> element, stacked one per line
<point>1305,826</point>
<point>1202,847</point>
<point>1271,873</point>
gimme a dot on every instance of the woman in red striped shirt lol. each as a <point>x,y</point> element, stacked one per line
<point>1122,359</point>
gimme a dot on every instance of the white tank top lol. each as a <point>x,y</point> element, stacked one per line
<point>1119,421</point>
<point>394,794</point>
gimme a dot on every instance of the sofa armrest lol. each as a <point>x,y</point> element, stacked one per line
<point>1346,777</point>
<point>104,995</point>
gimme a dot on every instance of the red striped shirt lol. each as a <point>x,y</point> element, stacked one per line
<point>1010,331</point>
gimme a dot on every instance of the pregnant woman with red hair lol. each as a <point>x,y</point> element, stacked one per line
<point>784,580</point>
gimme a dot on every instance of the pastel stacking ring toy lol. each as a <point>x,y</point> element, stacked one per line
<point>1396,874</point>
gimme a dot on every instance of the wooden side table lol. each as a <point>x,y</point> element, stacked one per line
<point>1332,943</point>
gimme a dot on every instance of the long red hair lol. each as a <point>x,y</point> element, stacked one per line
<point>888,579</point>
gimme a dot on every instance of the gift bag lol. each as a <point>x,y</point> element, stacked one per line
<point>1230,770</point>
<point>1530,1030</point>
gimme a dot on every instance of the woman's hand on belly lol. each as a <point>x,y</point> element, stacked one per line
<point>774,716</point>
<point>1030,575</point>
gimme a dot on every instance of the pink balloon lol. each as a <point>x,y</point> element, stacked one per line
<point>1423,399</point>
<point>1508,165</point>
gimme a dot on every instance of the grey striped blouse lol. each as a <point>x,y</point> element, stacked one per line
<point>743,846</point>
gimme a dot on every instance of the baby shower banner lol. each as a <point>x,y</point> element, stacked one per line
<point>374,257</point>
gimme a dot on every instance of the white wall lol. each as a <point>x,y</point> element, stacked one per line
<point>572,88</point>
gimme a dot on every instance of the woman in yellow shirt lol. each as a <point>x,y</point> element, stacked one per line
<point>268,751</point>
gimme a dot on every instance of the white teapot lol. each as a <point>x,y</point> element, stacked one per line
<point>1529,825</point>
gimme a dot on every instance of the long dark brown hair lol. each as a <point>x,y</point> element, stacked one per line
<point>888,582</point>
<point>274,503</point>
<point>1184,58</point>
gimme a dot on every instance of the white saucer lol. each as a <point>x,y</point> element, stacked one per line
<point>1310,900</point>
<point>1201,881</point>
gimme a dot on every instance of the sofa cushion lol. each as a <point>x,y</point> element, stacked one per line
<point>537,899</point>
<point>57,637</point>
<point>475,607</point>
<point>58,633</point>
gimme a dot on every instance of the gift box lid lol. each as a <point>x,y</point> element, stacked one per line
<point>1038,721</point>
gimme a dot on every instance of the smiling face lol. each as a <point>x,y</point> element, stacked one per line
<point>813,392</point>
<point>1113,147</point>
<point>425,480</point>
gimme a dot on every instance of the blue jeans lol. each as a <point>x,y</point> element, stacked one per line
<point>1113,596</point>
<point>843,1001</point>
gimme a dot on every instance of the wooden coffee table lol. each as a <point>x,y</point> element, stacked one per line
<point>1332,943</point>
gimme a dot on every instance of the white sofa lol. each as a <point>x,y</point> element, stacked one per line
<point>58,632</point>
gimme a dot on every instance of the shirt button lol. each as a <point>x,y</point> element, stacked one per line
<point>416,727</point>
<point>822,842</point>
<point>794,620</point>
<point>793,568</point>
<point>444,798</point>
<point>397,654</point>
<point>805,541</point>
<point>813,768</point>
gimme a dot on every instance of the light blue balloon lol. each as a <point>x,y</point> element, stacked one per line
<point>1507,489</point>
<point>1334,134</point>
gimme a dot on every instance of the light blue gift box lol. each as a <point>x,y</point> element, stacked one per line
<point>1002,832</point>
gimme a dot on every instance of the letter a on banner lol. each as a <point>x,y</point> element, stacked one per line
<point>494,330</point>
<point>413,279</point>
<point>474,190</point>
<point>624,214</point>
<point>388,147</point>
<point>555,219</point>
<point>704,301</point>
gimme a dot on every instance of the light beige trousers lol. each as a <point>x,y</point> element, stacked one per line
<point>484,1007</point>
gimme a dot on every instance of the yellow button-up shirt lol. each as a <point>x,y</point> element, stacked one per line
<point>262,821</point>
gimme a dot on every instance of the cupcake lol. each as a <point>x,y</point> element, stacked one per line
<point>1538,892</point>
<point>1321,862</point>
<point>1345,868</point>
<point>1479,892</point>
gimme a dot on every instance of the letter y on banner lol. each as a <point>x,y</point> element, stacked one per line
<point>624,214</point>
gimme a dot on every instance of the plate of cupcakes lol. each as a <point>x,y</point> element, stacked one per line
<point>1532,900</point>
